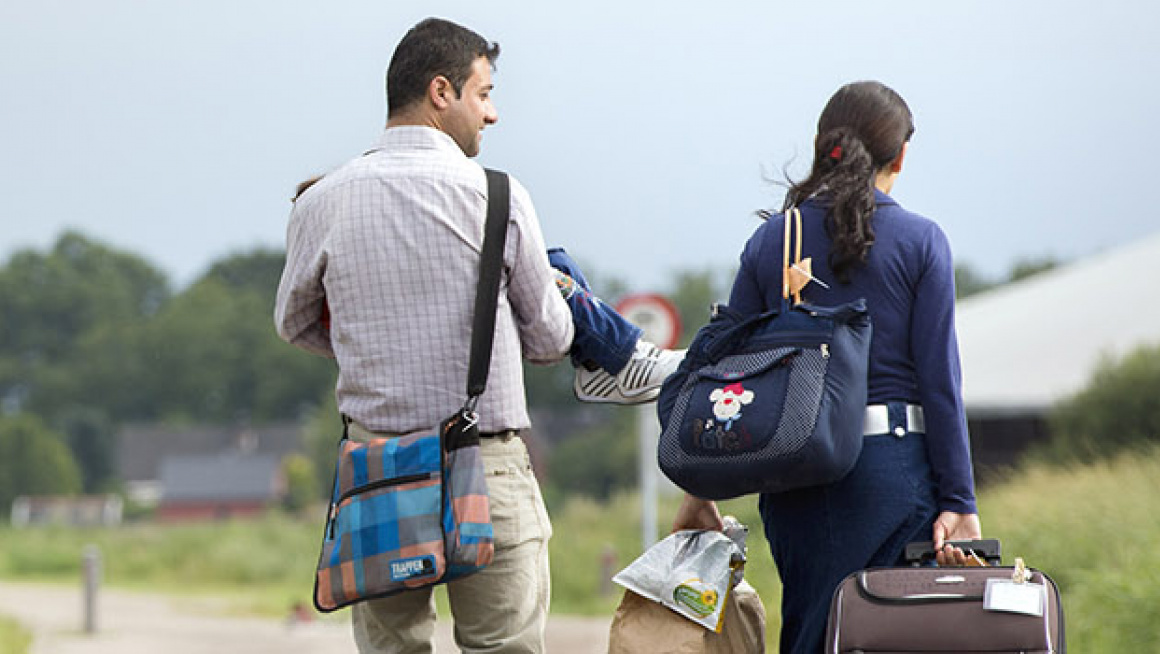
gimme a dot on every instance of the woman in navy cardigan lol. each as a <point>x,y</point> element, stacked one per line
<point>913,480</point>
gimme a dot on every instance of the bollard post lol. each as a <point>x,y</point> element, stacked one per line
<point>91,570</point>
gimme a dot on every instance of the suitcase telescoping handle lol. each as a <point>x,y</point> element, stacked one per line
<point>922,552</point>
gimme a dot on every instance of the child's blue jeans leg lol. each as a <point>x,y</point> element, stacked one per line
<point>603,336</point>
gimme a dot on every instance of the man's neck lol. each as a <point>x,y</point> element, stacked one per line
<point>412,118</point>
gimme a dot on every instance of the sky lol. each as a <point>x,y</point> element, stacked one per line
<point>648,133</point>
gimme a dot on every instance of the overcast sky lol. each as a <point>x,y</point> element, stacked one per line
<point>645,131</point>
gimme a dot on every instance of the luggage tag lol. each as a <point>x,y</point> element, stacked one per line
<point>1017,594</point>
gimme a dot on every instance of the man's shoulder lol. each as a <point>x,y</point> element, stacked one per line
<point>515,182</point>
<point>521,199</point>
<point>332,182</point>
<point>373,168</point>
<point>415,171</point>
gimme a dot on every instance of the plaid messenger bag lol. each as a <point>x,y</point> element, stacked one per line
<point>412,511</point>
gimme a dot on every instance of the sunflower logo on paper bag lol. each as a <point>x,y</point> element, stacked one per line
<point>697,596</point>
<point>717,433</point>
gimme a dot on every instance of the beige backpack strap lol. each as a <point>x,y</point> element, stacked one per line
<point>796,273</point>
<point>785,269</point>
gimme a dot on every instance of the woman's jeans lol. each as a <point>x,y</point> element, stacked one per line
<point>603,337</point>
<point>820,535</point>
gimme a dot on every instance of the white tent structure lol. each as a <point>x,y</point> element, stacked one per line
<point>1026,345</point>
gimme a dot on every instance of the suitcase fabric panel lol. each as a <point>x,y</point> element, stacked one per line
<point>937,610</point>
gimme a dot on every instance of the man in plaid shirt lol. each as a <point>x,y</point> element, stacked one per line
<point>388,246</point>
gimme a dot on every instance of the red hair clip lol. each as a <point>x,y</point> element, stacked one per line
<point>836,153</point>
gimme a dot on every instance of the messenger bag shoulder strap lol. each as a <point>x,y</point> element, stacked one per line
<point>487,291</point>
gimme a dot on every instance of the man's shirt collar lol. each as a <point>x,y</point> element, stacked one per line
<point>416,137</point>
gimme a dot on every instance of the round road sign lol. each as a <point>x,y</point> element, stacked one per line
<point>655,315</point>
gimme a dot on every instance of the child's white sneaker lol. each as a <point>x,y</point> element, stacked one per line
<point>639,382</point>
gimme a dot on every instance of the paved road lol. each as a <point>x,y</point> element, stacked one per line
<point>138,623</point>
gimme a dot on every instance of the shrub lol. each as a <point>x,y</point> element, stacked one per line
<point>301,482</point>
<point>1118,411</point>
<point>34,460</point>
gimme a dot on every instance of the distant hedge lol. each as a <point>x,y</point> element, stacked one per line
<point>1118,411</point>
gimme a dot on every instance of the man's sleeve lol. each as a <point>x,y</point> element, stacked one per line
<point>542,316</point>
<point>300,311</point>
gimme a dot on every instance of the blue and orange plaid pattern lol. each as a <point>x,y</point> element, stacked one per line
<point>404,514</point>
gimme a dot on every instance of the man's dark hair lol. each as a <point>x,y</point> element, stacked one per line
<point>433,47</point>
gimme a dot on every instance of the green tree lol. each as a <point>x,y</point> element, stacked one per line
<point>258,270</point>
<point>67,342</point>
<point>52,302</point>
<point>196,353</point>
<point>91,329</point>
<point>285,382</point>
<point>92,440</point>
<point>694,294</point>
<point>212,355</point>
<point>108,374</point>
<point>34,460</point>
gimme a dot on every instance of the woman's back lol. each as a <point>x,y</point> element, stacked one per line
<point>907,281</point>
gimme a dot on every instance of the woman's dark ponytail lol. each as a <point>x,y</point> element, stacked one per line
<point>861,130</point>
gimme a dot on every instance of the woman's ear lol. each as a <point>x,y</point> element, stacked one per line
<point>896,165</point>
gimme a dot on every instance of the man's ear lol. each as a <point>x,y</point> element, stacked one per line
<point>440,92</point>
<point>896,165</point>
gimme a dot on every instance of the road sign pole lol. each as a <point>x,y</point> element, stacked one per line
<point>647,438</point>
<point>659,320</point>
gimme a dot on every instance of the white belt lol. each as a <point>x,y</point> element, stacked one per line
<point>877,421</point>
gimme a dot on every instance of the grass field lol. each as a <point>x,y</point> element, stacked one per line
<point>1094,529</point>
<point>14,639</point>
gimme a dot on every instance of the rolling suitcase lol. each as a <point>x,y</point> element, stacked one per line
<point>923,608</point>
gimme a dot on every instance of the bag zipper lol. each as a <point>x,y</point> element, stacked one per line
<point>374,485</point>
